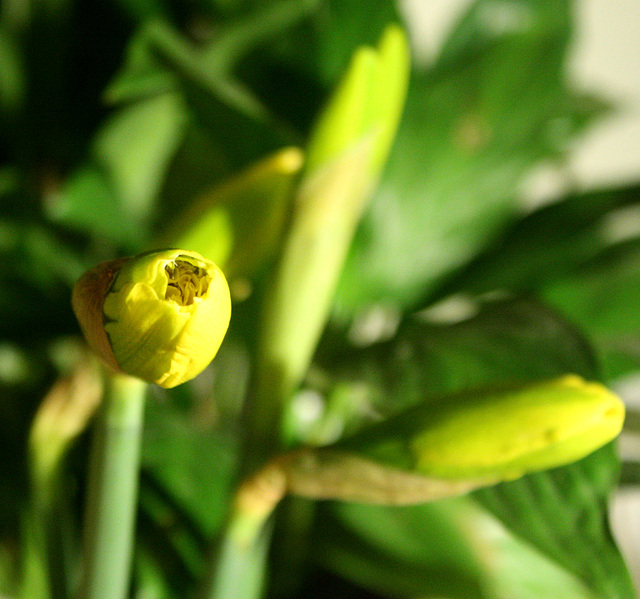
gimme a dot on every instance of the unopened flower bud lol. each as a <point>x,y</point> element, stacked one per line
<point>160,316</point>
<point>497,434</point>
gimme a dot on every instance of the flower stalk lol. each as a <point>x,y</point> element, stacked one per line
<point>113,490</point>
<point>239,568</point>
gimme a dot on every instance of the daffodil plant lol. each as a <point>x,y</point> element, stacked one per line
<point>287,224</point>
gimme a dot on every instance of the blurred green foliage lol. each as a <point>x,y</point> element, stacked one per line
<point>118,119</point>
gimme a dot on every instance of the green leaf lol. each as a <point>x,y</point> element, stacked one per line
<point>198,471</point>
<point>12,85</point>
<point>548,244</point>
<point>323,45</point>
<point>601,297</point>
<point>580,253</point>
<point>262,25</point>
<point>472,129</point>
<point>144,9</point>
<point>142,73</point>
<point>311,58</point>
<point>134,148</point>
<point>563,513</point>
<point>87,203</point>
<point>114,194</point>
<point>239,126</point>
<point>486,23</point>
<point>492,343</point>
<point>400,552</point>
<point>161,58</point>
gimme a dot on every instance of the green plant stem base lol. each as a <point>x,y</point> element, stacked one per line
<point>240,561</point>
<point>113,490</point>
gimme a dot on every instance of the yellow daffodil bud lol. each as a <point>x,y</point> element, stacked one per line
<point>475,439</point>
<point>499,434</point>
<point>160,316</point>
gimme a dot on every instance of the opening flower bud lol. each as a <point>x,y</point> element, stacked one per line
<point>160,316</point>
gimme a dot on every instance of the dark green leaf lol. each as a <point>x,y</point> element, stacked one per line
<point>114,195</point>
<point>322,46</point>
<point>87,203</point>
<point>341,27</point>
<point>266,22</point>
<point>145,74</point>
<point>239,126</point>
<point>505,342</point>
<point>312,57</point>
<point>198,471</point>
<point>563,513</point>
<point>400,552</point>
<point>12,84</point>
<point>602,298</point>
<point>478,559</point>
<point>142,73</point>
<point>547,244</point>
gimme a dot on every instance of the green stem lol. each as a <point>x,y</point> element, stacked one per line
<point>113,490</point>
<point>239,571</point>
<point>241,559</point>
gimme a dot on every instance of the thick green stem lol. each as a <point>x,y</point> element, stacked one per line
<point>113,491</point>
<point>347,150</point>
<point>241,557</point>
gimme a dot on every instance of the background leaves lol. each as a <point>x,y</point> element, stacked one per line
<point>493,104</point>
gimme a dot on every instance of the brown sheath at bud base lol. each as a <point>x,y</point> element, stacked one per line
<point>87,300</point>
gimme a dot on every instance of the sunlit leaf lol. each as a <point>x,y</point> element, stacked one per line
<point>550,243</point>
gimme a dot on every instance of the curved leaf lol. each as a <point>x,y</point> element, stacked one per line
<point>563,513</point>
